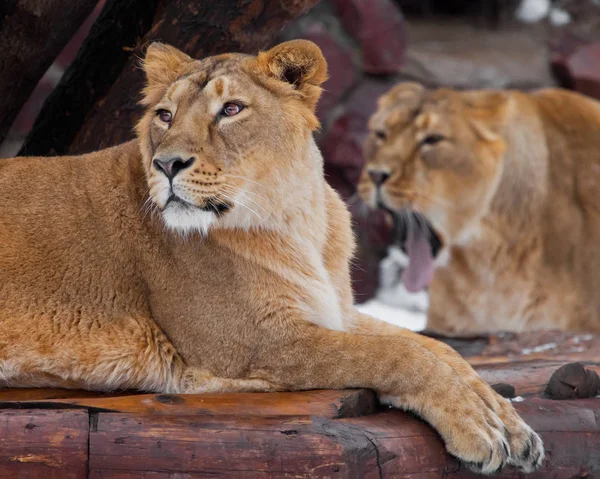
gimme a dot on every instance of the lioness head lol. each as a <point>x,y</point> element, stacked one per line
<point>222,138</point>
<point>434,160</point>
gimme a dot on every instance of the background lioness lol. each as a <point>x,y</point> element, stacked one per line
<point>210,255</point>
<point>499,193</point>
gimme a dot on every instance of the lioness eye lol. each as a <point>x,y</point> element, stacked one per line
<point>380,134</point>
<point>165,116</point>
<point>432,139</point>
<point>231,109</point>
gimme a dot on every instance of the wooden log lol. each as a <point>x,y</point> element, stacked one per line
<point>48,444</point>
<point>314,433</point>
<point>99,61</point>
<point>42,394</point>
<point>200,28</point>
<point>388,444</point>
<point>33,34</point>
<point>325,403</point>
<point>528,377</point>
<point>530,346</point>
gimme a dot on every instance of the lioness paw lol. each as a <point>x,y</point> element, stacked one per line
<point>492,436</point>
<point>526,446</point>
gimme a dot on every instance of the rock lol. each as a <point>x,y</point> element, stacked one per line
<point>505,390</point>
<point>342,143</point>
<point>573,381</point>
<point>560,50</point>
<point>342,72</point>
<point>576,64</point>
<point>379,28</point>
<point>458,55</point>
<point>373,234</point>
<point>344,161</point>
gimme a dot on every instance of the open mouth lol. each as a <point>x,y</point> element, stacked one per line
<point>418,239</point>
<point>212,204</point>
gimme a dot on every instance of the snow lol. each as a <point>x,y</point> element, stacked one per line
<point>579,339</point>
<point>533,11</point>
<point>393,303</point>
<point>394,314</point>
<point>538,349</point>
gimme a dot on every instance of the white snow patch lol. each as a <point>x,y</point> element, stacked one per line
<point>539,349</point>
<point>559,17</point>
<point>580,339</point>
<point>532,11</point>
<point>394,314</point>
<point>393,303</point>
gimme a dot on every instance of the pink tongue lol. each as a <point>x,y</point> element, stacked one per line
<point>420,268</point>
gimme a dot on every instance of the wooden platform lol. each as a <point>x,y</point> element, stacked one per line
<point>76,434</point>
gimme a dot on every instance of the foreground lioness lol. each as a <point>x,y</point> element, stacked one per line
<point>210,255</point>
<point>500,190</point>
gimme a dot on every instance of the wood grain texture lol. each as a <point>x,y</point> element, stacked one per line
<point>517,347</point>
<point>528,377</point>
<point>326,403</point>
<point>389,444</point>
<point>43,444</point>
<point>110,110</point>
<point>40,394</point>
<point>308,434</point>
<point>99,61</point>
<point>33,33</point>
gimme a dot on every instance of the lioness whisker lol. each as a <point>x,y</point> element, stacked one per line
<point>241,203</point>
<point>242,190</point>
<point>245,179</point>
<point>148,207</point>
<point>249,199</point>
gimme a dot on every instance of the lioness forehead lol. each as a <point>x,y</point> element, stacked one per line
<point>214,75</point>
<point>424,112</point>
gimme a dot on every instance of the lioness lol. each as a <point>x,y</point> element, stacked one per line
<point>210,255</point>
<point>499,193</point>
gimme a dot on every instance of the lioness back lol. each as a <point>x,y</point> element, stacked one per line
<point>495,191</point>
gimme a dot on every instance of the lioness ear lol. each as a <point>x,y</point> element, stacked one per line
<point>299,63</point>
<point>488,112</point>
<point>409,93</point>
<point>162,64</point>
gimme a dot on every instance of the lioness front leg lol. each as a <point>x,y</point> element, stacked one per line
<point>525,445</point>
<point>407,374</point>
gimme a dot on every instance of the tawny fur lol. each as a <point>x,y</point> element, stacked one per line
<point>105,284</point>
<point>513,191</point>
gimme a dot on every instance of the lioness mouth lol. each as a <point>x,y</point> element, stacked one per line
<point>213,205</point>
<point>419,240</point>
<point>217,207</point>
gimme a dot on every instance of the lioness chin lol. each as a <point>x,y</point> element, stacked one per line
<point>497,191</point>
<point>209,255</point>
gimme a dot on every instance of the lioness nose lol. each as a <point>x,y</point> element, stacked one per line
<point>171,166</point>
<point>378,176</point>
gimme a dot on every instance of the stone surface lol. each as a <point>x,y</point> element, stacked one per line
<point>373,235</point>
<point>341,68</point>
<point>379,28</point>
<point>458,55</point>
<point>576,63</point>
<point>344,161</point>
<point>342,143</point>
